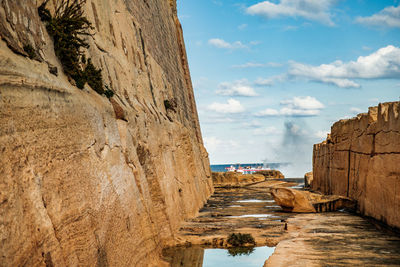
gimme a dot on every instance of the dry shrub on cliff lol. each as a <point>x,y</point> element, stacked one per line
<point>68,27</point>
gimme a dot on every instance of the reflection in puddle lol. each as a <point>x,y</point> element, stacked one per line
<point>235,206</point>
<point>199,257</point>
<point>252,201</point>
<point>253,216</point>
<point>299,186</point>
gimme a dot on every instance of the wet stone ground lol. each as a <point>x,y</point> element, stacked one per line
<point>250,209</point>
<point>314,239</point>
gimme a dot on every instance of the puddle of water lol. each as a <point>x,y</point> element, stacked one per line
<point>220,257</point>
<point>254,216</point>
<point>235,206</point>
<point>252,201</point>
<point>199,257</point>
<point>299,186</point>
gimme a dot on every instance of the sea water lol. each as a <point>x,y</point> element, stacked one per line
<point>222,167</point>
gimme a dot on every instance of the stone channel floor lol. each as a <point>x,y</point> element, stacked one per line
<point>314,239</point>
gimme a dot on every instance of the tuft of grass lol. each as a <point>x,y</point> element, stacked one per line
<point>170,104</point>
<point>68,27</point>
<point>239,240</point>
<point>30,51</point>
<point>93,77</point>
<point>108,92</point>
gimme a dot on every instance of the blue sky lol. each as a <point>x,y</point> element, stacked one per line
<point>270,77</point>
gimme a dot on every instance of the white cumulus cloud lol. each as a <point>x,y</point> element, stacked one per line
<point>220,43</point>
<point>214,144</point>
<point>236,88</point>
<point>211,143</point>
<point>232,106</point>
<point>306,103</point>
<point>355,110</point>
<point>321,134</point>
<point>315,10</point>
<point>387,17</point>
<point>296,107</point>
<point>384,63</point>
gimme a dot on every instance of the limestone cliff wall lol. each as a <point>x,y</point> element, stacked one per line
<point>361,159</point>
<point>88,181</point>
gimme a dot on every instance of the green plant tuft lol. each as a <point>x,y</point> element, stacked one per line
<point>108,92</point>
<point>170,104</point>
<point>93,77</point>
<point>238,240</point>
<point>67,28</point>
<point>30,51</point>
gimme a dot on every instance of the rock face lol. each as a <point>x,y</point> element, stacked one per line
<point>293,200</point>
<point>360,159</point>
<point>85,180</point>
<point>334,239</point>
<point>308,178</point>
<point>235,178</point>
<point>271,174</point>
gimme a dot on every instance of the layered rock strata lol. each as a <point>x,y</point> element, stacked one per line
<point>235,179</point>
<point>360,159</point>
<point>85,180</point>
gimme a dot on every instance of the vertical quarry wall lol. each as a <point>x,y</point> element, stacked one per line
<point>361,159</point>
<point>85,180</point>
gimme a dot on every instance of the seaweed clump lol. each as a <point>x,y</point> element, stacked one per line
<point>68,27</point>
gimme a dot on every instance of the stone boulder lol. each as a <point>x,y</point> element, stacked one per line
<point>222,179</point>
<point>292,200</point>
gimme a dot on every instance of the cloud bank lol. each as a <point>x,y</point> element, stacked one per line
<point>384,63</point>
<point>387,17</point>
<point>315,10</point>
<point>231,107</point>
<point>236,88</point>
<point>296,107</point>
<point>220,43</point>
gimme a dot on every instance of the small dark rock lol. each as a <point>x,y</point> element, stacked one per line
<point>53,69</point>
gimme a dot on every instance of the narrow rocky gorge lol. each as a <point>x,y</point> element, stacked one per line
<point>85,180</point>
<point>92,180</point>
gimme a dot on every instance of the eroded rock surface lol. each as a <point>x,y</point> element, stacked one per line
<point>86,181</point>
<point>360,159</point>
<point>334,239</point>
<point>292,200</point>
<point>308,179</point>
<point>235,179</point>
